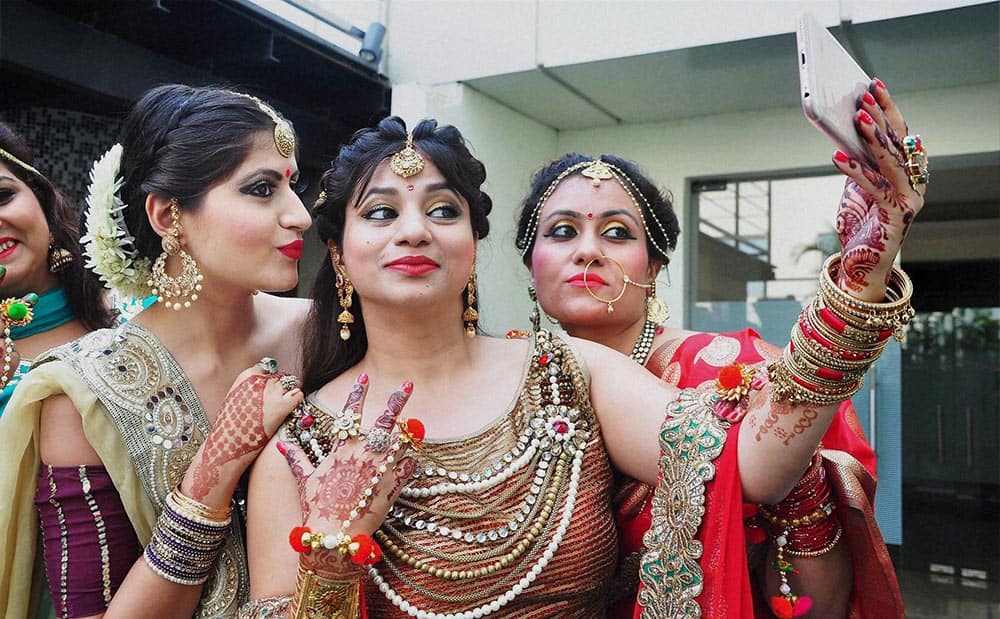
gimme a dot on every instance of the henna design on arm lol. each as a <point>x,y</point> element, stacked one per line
<point>804,423</point>
<point>242,418</point>
<point>778,409</point>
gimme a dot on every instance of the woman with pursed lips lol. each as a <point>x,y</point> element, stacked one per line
<point>125,447</point>
<point>600,246</point>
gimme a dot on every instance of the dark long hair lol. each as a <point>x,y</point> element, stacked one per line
<point>660,204</point>
<point>179,142</point>
<point>82,288</point>
<point>325,355</point>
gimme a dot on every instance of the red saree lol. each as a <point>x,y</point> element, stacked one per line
<point>850,461</point>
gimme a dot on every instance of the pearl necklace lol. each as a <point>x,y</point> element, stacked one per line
<point>556,433</point>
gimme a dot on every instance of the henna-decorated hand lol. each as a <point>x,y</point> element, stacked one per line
<point>251,413</point>
<point>332,492</point>
<point>878,204</point>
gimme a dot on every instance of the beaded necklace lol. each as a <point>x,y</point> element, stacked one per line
<point>536,480</point>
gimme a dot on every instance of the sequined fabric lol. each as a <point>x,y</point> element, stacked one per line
<point>162,424</point>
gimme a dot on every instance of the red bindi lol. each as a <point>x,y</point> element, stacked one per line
<point>288,173</point>
<point>409,187</point>
<point>590,215</point>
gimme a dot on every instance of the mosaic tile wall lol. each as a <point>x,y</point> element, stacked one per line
<point>66,143</point>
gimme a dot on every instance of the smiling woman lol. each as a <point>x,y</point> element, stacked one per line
<point>129,435</point>
<point>40,253</point>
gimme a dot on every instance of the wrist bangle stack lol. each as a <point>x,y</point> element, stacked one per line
<point>321,597</point>
<point>187,540</point>
<point>837,338</point>
<point>802,525</point>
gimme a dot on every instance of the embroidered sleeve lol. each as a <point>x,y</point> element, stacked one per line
<point>80,512</point>
<point>691,438</point>
<point>266,608</point>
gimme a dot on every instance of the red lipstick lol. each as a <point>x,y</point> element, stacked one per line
<point>293,250</point>
<point>593,281</point>
<point>413,265</point>
<point>9,245</point>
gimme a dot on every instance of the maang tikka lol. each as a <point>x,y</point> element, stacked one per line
<point>345,292</point>
<point>407,162</point>
<point>180,291</point>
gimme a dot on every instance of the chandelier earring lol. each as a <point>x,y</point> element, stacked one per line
<point>470,316</point>
<point>345,295</point>
<point>536,313</point>
<point>179,291</point>
<point>59,257</point>
<point>656,310</point>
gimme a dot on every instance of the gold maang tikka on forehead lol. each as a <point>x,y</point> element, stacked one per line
<point>597,171</point>
<point>408,161</point>
<point>284,137</point>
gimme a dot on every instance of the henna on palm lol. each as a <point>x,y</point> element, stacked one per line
<point>242,417</point>
<point>339,488</point>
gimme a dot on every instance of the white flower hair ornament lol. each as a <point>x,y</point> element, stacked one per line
<point>109,248</point>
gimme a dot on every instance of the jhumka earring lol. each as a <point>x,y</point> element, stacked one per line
<point>470,316</point>
<point>345,292</point>
<point>180,291</point>
<point>656,310</point>
<point>536,314</point>
<point>59,257</point>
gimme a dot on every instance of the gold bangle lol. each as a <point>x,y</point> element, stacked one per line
<point>198,511</point>
<point>894,314</point>
<point>317,597</point>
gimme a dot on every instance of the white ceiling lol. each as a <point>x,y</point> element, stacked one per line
<point>943,49</point>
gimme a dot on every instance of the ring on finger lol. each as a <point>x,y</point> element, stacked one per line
<point>288,382</point>
<point>916,160</point>
<point>268,365</point>
<point>346,424</point>
<point>378,440</point>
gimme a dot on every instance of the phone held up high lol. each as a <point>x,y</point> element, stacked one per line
<point>831,83</point>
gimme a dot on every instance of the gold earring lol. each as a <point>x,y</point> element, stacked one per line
<point>656,310</point>
<point>180,291</point>
<point>59,257</point>
<point>345,290</point>
<point>470,316</point>
<point>536,314</point>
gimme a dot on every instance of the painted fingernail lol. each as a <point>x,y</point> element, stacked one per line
<point>3,271</point>
<point>868,98</point>
<point>281,448</point>
<point>841,156</point>
<point>362,379</point>
<point>866,117</point>
<point>880,84</point>
<point>408,387</point>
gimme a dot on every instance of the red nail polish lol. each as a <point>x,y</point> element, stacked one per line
<point>866,117</point>
<point>281,448</point>
<point>362,379</point>
<point>408,387</point>
<point>880,84</point>
<point>841,156</point>
<point>868,98</point>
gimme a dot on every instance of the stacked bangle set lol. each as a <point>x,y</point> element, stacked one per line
<point>187,540</point>
<point>836,340</point>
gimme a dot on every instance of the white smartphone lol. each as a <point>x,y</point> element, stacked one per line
<point>831,85</point>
